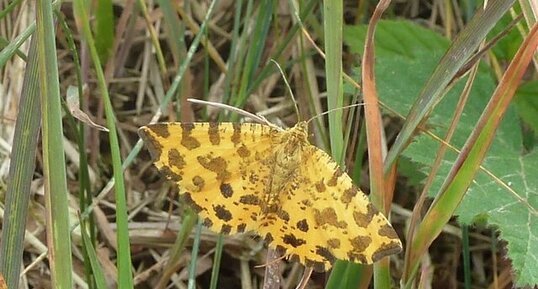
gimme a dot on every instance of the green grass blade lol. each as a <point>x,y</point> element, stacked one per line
<point>216,262</point>
<point>99,277</point>
<point>104,27</point>
<point>347,275</point>
<point>13,47</point>
<point>332,22</point>
<point>21,172</point>
<point>125,276</point>
<point>58,231</point>
<point>194,256</point>
<point>333,14</point>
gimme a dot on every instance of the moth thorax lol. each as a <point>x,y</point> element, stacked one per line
<point>288,155</point>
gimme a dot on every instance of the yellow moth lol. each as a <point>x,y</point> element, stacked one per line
<point>257,177</point>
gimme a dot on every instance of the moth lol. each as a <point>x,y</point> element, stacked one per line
<point>272,181</point>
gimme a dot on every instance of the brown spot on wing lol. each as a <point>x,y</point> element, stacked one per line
<point>303,225</point>
<point>213,133</point>
<point>253,178</point>
<point>175,159</point>
<point>226,190</point>
<point>363,220</point>
<point>328,216</point>
<point>154,147</point>
<point>316,265</point>
<point>385,250</point>
<point>360,243</point>
<point>325,254</point>
<point>334,243</point>
<point>250,200</point>
<point>334,179</point>
<point>171,175</point>
<point>236,136</point>
<point>243,151</point>
<point>320,186</point>
<point>217,165</point>
<point>283,215</point>
<point>306,203</point>
<point>293,241</point>
<point>188,199</point>
<point>222,213</point>
<point>349,194</point>
<point>208,223</point>
<point>241,227</point>
<point>387,231</point>
<point>187,140</point>
<point>226,229</point>
<point>160,130</point>
<point>357,257</point>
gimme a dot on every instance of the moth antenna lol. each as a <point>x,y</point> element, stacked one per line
<point>333,110</point>
<point>287,85</point>
<point>245,113</point>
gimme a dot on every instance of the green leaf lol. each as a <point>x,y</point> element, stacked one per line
<point>406,55</point>
<point>527,109</point>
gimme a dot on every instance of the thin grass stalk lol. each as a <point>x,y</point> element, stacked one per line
<point>21,171</point>
<point>13,47</point>
<point>99,280</point>
<point>57,210</point>
<point>471,156</point>
<point>125,276</point>
<point>216,262</point>
<point>194,256</point>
